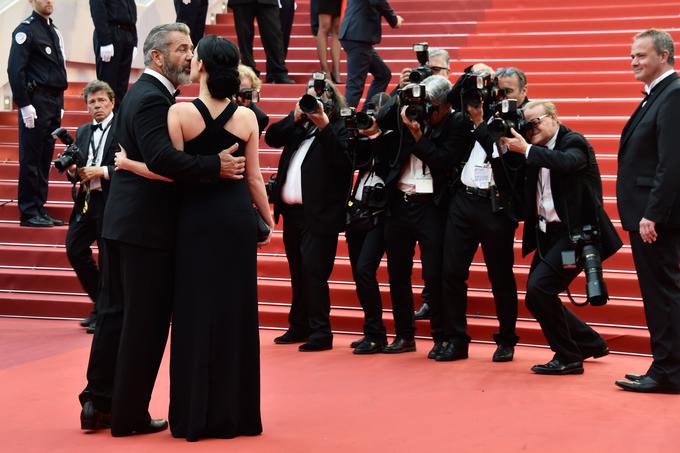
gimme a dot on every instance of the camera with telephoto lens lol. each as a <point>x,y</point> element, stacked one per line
<point>71,154</point>
<point>474,88</point>
<point>584,251</point>
<point>249,94</point>
<point>308,102</point>
<point>423,71</point>
<point>418,107</point>
<point>507,117</point>
<point>356,121</point>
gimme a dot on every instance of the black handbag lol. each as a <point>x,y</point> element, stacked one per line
<point>364,215</point>
<point>263,229</point>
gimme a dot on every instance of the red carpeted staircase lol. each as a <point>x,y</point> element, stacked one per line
<point>573,52</point>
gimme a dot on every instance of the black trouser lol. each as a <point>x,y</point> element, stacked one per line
<point>365,252</point>
<point>570,338</point>
<point>406,224</point>
<point>194,15</point>
<point>470,222</point>
<point>659,276</point>
<point>269,23</point>
<point>310,260</point>
<point>36,147</point>
<point>131,332</point>
<point>287,16</point>
<point>117,71</point>
<point>362,59</point>
<point>83,231</point>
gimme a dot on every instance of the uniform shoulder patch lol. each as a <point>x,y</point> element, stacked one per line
<point>20,37</point>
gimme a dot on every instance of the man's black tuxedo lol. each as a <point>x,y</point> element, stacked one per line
<point>138,280</point>
<point>84,229</point>
<point>362,20</point>
<point>194,15</point>
<point>310,230</point>
<point>647,185</point>
<point>577,195</point>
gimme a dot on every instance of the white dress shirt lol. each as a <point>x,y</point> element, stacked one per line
<point>291,192</point>
<point>648,88</point>
<point>544,199</point>
<point>98,138</point>
<point>415,177</point>
<point>477,160</point>
<point>164,80</point>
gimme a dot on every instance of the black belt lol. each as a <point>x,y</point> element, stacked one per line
<point>47,91</point>
<point>126,27</point>
<point>482,193</point>
<point>417,197</point>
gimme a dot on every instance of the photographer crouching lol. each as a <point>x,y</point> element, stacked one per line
<point>484,209</point>
<point>90,162</point>
<point>310,192</point>
<point>433,141</point>
<point>566,224</point>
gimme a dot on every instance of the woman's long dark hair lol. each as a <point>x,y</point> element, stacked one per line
<point>220,58</point>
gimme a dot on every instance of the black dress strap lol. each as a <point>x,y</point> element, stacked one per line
<point>203,110</point>
<point>226,115</point>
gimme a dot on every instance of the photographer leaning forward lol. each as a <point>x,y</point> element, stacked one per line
<point>433,61</point>
<point>314,178</point>
<point>93,167</point>
<point>434,141</point>
<point>484,209</point>
<point>564,213</point>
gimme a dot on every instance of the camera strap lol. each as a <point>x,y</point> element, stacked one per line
<point>95,151</point>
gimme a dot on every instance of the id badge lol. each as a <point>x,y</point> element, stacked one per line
<point>483,176</point>
<point>424,185</point>
<point>542,225</point>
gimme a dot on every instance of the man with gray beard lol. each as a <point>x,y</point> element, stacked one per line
<point>139,233</point>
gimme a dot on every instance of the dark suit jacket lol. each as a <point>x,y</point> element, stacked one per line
<point>141,211</point>
<point>576,189</point>
<point>252,2</point>
<point>362,20</point>
<point>109,148</point>
<point>326,173</point>
<point>648,179</point>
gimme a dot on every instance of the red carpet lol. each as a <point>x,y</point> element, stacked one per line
<point>337,402</point>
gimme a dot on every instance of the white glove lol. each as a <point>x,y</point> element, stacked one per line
<point>62,114</point>
<point>186,2</point>
<point>106,53</point>
<point>134,53</point>
<point>29,115</point>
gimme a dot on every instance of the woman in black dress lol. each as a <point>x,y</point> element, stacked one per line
<point>329,23</point>
<point>214,357</point>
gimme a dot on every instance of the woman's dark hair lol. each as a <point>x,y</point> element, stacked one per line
<point>220,58</point>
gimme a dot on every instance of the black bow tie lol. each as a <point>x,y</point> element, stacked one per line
<point>96,126</point>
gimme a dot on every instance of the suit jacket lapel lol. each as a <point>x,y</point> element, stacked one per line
<point>158,84</point>
<point>109,139</point>
<point>641,111</point>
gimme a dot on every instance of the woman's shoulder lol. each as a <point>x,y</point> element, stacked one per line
<point>183,107</point>
<point>244,113</point>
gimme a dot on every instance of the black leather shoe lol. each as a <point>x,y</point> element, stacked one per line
<point>647,385</point>
<point>634,377</point>
<point>555,367</point>
<point>91,328</point>
<point>315,346</point>
<point>452,352</point>
<point>87,321</point>
<point>423,312</point>
<point>400,345</point>
<point>290,337</point>
<point>437,349</point>
<point>370,347</point>
<point>37,222</point>
<point>282,80</point>
<point>91,419</point>
<point>503,353</point>
<point>153,426</point>
<point>55,222</point>
<point>356,343</point>
<point>603,351</point>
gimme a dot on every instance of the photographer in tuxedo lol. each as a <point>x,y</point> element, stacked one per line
<point>563,201</point>
<point>314,179</point>
<point>647,186</point>
<point>485,209</point>
<point>434,142</point>
<point>97,144</point>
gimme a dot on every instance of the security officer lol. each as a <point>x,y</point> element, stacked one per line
<point>115,41</point>
<point>37,75</point>
<point>194,14</point>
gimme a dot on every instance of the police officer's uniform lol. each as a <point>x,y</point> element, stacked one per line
<point>37,75</point>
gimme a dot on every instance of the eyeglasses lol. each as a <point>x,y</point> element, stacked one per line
<point>533,123</point>
<point>438,69</point>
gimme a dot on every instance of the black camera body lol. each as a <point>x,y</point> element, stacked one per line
<point>249,94</point>
<point>508,116</point>
<point>474,88</point>
<point>585,251</point>
<point>418,107</point>
<point>308,102</point>
<point>423,71</point>
<point>269,187</point>
<point>356,121</point>
<point>71,154</point>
